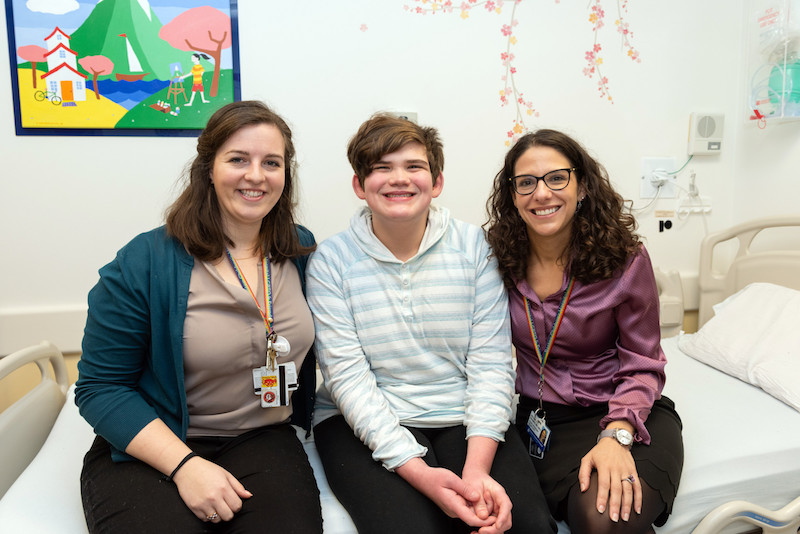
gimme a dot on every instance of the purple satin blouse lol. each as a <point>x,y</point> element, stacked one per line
<point>607,348</point>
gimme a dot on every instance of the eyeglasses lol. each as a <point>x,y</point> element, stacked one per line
<point>556,180</point>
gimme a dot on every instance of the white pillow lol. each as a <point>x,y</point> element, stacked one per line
<point>754,336</point>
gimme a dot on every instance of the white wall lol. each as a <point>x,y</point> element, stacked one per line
<point>68,203</point>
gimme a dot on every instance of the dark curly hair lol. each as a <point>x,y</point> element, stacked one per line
<point>603,230</point>
<point>195,218</point>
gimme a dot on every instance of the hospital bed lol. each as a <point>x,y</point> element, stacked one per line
<point>742,443</point>
<point>741,427</point>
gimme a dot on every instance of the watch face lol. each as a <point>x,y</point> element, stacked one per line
<point>623,436</point>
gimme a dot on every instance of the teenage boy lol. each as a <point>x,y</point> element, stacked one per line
<point>413,341</point>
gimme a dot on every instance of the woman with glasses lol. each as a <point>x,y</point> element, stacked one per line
<point>584,310</point>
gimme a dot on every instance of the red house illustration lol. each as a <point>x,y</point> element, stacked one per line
<point>62,76</point>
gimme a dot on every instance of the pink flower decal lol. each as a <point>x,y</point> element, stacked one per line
<point>510,92</point>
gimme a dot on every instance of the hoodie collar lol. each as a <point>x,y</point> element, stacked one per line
<point>361,231</point>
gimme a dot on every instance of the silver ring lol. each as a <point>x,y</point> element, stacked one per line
<point>212,517</point>
<point>629,478</point>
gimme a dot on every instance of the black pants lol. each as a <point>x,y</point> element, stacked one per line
<point>574,432</point>
<point>131,497</point>
<point>381,502</point>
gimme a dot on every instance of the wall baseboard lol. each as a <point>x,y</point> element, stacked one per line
<point>62,326</point>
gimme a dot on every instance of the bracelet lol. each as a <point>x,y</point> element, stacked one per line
<point>174,471</point>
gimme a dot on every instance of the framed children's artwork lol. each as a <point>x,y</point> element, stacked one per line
<point>121,67</point>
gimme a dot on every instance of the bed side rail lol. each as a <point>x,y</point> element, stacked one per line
<point>783,521</point>
<point>776,266</point>
<point>24,425</point>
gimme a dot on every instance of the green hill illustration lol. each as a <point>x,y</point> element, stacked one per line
<point>124,32</point>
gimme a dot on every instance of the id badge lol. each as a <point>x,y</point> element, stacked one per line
<point>277,384</point>
<point>539,433</point>
<point>270,387</point>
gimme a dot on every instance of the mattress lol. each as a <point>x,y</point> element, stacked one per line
<point>740,444</point>
<point>46,498</point>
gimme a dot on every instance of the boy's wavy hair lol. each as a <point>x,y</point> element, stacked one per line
<point>603,230</point>
<point>383,134</point>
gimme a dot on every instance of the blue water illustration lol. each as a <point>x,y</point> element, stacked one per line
<point>128,94</point>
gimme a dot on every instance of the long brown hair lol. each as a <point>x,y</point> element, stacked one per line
<point>603,230</point>
<point>195,218</point>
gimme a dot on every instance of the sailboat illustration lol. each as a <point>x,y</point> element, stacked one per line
<point>134,67</point>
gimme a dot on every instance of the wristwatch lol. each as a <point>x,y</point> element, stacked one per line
<point>622,436</point>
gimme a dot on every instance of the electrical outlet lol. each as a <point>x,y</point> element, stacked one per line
<point>653,171</point>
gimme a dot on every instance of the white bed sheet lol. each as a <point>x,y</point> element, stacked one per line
<point>46,498</point>
<point>739,442</point>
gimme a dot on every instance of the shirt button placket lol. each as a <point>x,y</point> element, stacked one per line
<point>406,292</point>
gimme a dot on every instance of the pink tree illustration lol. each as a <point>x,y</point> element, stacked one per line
<point>34,54</point>
<point>200,29</point>
<point>98,66</point>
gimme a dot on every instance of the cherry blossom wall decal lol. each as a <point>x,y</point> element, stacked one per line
<point>511,93</point>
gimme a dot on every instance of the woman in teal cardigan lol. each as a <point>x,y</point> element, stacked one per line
<point>197,352</point>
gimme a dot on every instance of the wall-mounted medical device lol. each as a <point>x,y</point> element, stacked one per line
<point>772,53</point>
<point>705,133</point>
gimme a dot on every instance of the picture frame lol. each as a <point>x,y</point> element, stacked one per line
<point>121,67</point>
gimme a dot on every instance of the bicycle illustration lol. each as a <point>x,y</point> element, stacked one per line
<point>49,95</point>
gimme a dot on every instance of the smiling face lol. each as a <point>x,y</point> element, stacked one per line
<point>248,175</point>
<point>399,190</point>
<point>547,214</point>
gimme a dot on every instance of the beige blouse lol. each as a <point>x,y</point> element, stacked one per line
<point>224,339</point>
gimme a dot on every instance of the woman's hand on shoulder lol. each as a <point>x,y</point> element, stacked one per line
<point>614,465</point>
<point>208,489</point>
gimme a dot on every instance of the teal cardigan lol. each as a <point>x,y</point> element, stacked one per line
<point>131,369</point>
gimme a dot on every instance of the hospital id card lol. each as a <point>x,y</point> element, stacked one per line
<point>539,433</point>
<point>274,385</point>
